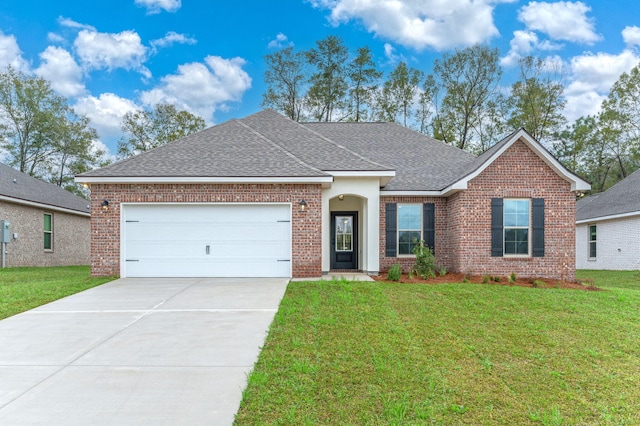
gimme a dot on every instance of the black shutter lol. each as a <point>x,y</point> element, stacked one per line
<point>538,227</point>
<point>429,225</point>
<point>497,240</point>
<point>391,230</point>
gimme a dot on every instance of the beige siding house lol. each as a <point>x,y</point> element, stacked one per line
<point>48,225</point>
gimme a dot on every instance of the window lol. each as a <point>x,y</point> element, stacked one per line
<point>48,231</point>
<point>592,242</point>
<point>409,227</point>
<point>344,233</point>
<point>517,226</point>
<point>406,223</point>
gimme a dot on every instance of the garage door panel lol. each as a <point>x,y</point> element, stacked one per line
<point>223,240</point>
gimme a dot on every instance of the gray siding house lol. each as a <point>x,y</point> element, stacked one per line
<point>49,226</point>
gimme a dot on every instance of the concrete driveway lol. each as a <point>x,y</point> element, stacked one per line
<point>136,351</point>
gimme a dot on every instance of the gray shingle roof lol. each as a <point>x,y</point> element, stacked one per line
<point>20,186</point>
<point>231,149</point>
<point>267,144</point>
<point>421,163</point>
<point>309,146</point>
<point>621,198</point>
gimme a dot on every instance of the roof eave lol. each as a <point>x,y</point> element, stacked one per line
<point>202,179</point>
<point>385,176</point>
<point>607,217</point>
<point>44,206</point>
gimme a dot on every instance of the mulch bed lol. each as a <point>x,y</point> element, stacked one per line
<point>477,279</point>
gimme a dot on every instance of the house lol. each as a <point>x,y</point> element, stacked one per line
<point>48,226</point>
<point>267,196</point>
<point>608,227</point>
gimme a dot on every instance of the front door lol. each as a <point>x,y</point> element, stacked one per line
<point>344,240</point>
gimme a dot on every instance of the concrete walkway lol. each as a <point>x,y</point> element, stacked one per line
<point>136,351</point>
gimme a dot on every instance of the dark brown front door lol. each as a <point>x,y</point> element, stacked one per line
<point>344,240</point>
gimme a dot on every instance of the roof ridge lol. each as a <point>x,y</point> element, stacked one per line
<point>343,147</point>
<point>282,149</point>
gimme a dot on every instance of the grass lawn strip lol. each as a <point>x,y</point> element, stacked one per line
<point>22,289</point>
<point>380,353</point>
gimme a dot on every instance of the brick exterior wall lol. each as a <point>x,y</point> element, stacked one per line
<point>463,220</point>
<point>442,248</point>
<point>616,244</point>
<point>70,237</point>
<point>306,226</point>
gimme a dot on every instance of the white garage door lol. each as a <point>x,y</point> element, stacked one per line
<point>206,240</point>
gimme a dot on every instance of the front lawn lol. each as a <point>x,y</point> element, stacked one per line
<point>22,289</point>
<point>384,353</point>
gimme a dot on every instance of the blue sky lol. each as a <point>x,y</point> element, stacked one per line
<point>111,57</point>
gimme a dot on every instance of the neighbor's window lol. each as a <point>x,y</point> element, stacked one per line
<point>409,227</point>
<point>517,227</point>
<point>48,231</point>
<point>592,241</point>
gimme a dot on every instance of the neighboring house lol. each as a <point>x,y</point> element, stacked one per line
<point>49,226</point>
<point>608,227</point>
<point>267,196</point>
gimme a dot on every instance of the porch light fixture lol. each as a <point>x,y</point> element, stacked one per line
<point>105,206</point>
<point>341,197</point>
<point>303,205</point>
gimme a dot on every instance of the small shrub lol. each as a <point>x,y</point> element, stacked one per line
<point>496,279</point>
<point>425,266</point>
<point>395,272</point>
<point>485,279</point>
<point>589,282</point>
<point>513,277</point>
<point>539,283</point>
<point>465,280</point>
<point>443,271</point>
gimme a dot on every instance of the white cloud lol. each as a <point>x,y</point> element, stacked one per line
<point>279,42</point>
<point>201,88</point>
<point>523,44</point>
<point>105,113</point>
<point>10,53</point>
<point>420,24</point>
<point>111,50</point>
<point>156,6</point>
<point>98,147</point>
<point>172,38</point>
<point>59,67</point>
<point>70,23</point>
<point>390,54</point>
<point>55,38</point>
<point>592,76</point>
<point>631,36</point>
<point>561,20</point>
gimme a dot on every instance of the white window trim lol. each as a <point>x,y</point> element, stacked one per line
<point>398,228</point>
<point>529,227</point>
<point>50,232</point>
<point>589,242</point>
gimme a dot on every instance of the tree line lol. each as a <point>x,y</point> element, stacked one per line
<point>42,136</point>
<point>461,102</point>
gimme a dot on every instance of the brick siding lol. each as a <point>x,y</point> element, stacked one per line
<point>70,237</point>
<point>463,220</point>
<point>306,226</point>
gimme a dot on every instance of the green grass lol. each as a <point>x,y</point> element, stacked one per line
<point>396,354</point>
<point>22,289</point>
